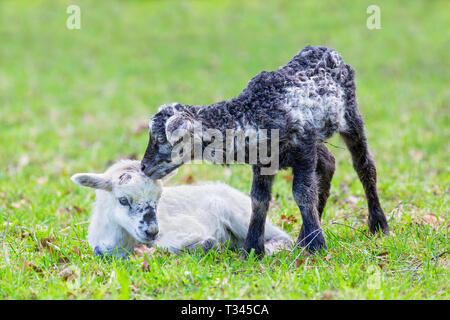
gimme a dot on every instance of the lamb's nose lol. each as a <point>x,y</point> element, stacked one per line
<point>151,234</point>
<point>147,217</point>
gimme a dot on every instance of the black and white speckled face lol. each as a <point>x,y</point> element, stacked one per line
<point>134,205</point>
<point>130,200</point>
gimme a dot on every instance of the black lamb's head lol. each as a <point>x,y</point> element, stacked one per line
<point>166,128</point>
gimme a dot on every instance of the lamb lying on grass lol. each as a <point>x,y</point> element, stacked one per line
<point>131,209</point>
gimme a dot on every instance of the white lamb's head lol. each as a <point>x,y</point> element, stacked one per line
<point>125,208</point>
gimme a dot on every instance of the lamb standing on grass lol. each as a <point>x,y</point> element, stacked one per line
<point>132,209</point>
<point>307,101</point>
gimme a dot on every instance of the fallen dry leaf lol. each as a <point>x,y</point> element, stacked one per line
<point>48,245</point>
<point>298,262</point>
<point>76,250</point>
<point>74,209</point>
<point>42,180</point>
<point>24,234</point>
<point>288,220</point>
<point>144,250</point>
<point>432,220</point>
<point>382,254</point>
<point>145,265</point>
<point>436,190</point>
<point>302,258</point>
<point>288,177</point>
<point>416,155</point>
<point>77,209</point>
<point>66,274</point>
<point>329,295</point>
<point>188,180</point>
<point>47,242</point>
<point>31,266</point>
<point>63,260</point>
<point>20,204</point>
<point>382,266</point>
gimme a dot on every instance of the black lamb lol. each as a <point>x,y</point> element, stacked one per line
<point>306,102</point>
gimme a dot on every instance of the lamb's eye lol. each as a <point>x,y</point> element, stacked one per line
<point>124,201</point>
<point>162,139</point>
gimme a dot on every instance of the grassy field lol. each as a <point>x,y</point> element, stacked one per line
<point>73,101</point>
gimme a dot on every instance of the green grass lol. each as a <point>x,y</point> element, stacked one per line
<point>69,100</point>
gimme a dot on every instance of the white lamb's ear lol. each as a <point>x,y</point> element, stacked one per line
<point>92,180</point>
<point>179,125</point>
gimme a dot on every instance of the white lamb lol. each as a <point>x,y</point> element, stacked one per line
<point>131,209</point>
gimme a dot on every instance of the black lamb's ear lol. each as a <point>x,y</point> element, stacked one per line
<point>178,125</point>
<point>92,180</point>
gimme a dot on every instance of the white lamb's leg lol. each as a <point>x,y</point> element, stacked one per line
<point>177,242</point>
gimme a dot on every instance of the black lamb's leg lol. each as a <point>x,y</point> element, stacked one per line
<point>304,189</point>
<point>260,195</point>
<point>355,139</point>
<point>325,168</point>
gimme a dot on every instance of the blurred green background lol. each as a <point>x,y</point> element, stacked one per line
<point>78,100</point>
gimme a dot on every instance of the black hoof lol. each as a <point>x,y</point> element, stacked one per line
<point>257,249</point>
<point>313,243</point>
<point>379,224</point>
